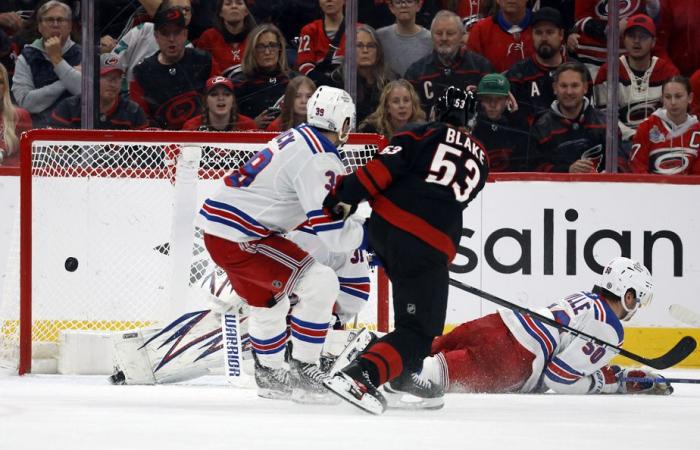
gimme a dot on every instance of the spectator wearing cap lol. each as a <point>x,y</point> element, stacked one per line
<point>220,112</point>
<point>226,40</point>
<point>570,137</point>
<point>168,85</point>
<point>48,70</point>
<point>505,142</point>
<point>404,42</point>
<point>262,83</point>
<point>641,75</point>
<point>504,38</point>
<point>447,65</point>
<point>116,113</point>
<point>139,42</point>
<point>531,79</point>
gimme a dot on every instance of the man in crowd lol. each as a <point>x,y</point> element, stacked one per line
<point>405,41</point>
<point>115,113</point>
<point>447,65</point>
<point>168,85</point>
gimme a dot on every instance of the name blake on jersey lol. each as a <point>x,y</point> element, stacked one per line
<point>464,140</point>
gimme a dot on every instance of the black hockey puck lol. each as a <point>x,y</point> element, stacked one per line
<point>71,264</point>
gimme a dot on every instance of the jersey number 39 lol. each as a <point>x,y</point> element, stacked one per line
<point>443,171</point>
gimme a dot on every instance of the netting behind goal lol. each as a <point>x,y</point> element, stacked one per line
<point>95,244</point>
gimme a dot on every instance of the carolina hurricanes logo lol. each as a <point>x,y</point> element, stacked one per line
<point>499,159</point>
<point>672,161</point>
<point>594,155</point>
<point>179,109</point>
<point>173,14</point>
<point>627,8</point>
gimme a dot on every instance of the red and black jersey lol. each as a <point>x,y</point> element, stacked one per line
<point>171,94</point>
<point>124,115</point>
<point>491,38</point>
<point>421,182</point>
<point>662,147</point>
<point>557,142</point>
<point>531,85</point>
<point>227,51</point>
<point>314,47</point>
<point>591,20</point>
<point>430,77</point>
<point>506,142</point>
<point>679,34</point>
<point>639,94</point>
<point>257,93</point>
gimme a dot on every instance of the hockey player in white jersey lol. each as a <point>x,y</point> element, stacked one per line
<point>512,352</point>
<point>280,188</point>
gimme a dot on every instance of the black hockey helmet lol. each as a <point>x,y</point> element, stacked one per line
<point>455,107</point>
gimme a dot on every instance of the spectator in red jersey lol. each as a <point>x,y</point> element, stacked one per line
<point>293,111</point>
<point>263,81</point>
<point>399,105</point>
<point>169,84</point>
<point>695,87</point>
<point>531,79</point>
<point>220,110</point>
<point>226,40</point>
<point>679,34</point>
<point>115,113</point>
<point>13,121</point>
<point>447,65</point>
<point>405,41</point>
<point>322,42</point>
<point>667,142</point>
<point>372,72</point>
<point>641,76</point>
<point>570,137</point>
<point>504,38</point>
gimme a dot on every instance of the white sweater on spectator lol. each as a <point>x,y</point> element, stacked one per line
<point>402,51</point>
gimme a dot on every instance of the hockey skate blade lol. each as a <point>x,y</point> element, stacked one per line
<point>356,345</point>
<point>403,400</point>
<point>345,389</point>
<point>314,398</point>
<point>274,394</point>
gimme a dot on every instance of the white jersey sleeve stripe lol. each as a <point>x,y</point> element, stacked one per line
<point>233,217</point>
<point>357,287</point>
<point>535,329</point>
<point>320,222</point>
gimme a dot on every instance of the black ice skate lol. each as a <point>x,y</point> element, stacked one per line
<point>357,343</point>
<point>411,391</point>
<point>272,383</point>
<point>353,385</point>
<point>307,384</point>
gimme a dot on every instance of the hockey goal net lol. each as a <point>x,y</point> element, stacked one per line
<point>101,218</point>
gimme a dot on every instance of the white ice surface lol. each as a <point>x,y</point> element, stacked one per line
<point>86,413</point>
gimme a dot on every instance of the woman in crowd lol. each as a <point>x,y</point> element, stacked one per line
<point>398,105</point>
<point>220,110</point>
<point>265,75</point>
<point>293,110</point>
<point>372,71</point>
<point>226,40</point>
<point>666,142</point>
<point>13,121</point>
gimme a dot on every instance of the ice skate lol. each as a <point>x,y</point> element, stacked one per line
<point>272,383</point>
<point>307,384</point>
<point>353,385</point>
<point>411,391</point>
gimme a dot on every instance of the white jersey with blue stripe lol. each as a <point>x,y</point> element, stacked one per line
<point>280,188</point>
<point>564,362</point>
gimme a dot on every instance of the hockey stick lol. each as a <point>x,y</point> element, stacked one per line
<point>659,380</point>
<point>678,353</point>
<point>685,315</point>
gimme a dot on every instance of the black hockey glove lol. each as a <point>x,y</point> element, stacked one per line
<point>335,207</point>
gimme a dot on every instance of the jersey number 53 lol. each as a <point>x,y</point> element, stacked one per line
<point>443,171</point>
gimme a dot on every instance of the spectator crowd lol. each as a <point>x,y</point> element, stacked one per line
<point>538,68</point>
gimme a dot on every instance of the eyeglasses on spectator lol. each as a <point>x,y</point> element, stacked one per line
<point>273,47</point>
<point>404,2</point>
<point>370,46</point>
<point>55,20</point>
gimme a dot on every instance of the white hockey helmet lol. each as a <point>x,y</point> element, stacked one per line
<point>622,274</point>
<point>329,108</point>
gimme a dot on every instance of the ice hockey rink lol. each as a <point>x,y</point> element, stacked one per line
<point>86,413</point>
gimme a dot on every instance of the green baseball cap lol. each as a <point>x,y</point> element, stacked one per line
<point>494,84</point>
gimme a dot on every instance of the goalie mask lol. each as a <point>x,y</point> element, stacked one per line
<point>622,274</point>
<point>455,107</point>
<point>329,109</point>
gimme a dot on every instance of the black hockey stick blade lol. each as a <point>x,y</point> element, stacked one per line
<point>678,353</point>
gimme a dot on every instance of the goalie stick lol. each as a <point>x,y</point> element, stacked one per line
<point>678,353</point>
<point>685,315</point>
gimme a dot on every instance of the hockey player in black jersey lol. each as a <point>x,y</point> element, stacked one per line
<point>418,188</point>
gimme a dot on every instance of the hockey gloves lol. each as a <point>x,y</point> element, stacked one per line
<point>615,380</point>
<point>334,207</point>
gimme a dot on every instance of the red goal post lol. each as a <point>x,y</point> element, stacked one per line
<point>96,226</point>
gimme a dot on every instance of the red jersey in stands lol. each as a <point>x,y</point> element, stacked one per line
<point>468,8</point>
<point>228,55</point>
<point>314,45</point>
<point>639,93</point>
<point>242,123</point>
<point>502,43</point>
<point>591,19</point>
<point>679,33</point>
<point>662,147</point>
<point>695,87</point>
